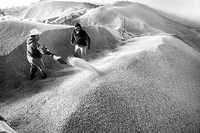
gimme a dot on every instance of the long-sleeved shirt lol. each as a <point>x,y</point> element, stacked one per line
<point>81,38</point>
<point>34,49</point>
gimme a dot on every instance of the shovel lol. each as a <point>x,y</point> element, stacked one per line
<point>59,59</point>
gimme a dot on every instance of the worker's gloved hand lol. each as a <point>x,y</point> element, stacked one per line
<point>46,51</point>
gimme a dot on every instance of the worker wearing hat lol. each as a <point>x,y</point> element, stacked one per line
<point>34,54</point>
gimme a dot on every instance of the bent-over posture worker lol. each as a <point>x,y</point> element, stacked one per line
<point>34,54</point>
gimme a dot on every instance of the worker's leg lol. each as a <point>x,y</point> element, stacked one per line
<point>40,66</point>
<point>76,48</point>
<point>33,70</point>
<point>85,50</point>
<point>78,51</point>
<point>81,52</point>
<point>42,69</point>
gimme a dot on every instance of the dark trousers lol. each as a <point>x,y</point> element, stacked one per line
<point>36,64</point>
<point>33,71</point>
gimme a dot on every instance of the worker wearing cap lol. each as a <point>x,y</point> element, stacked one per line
<point>34,54</point>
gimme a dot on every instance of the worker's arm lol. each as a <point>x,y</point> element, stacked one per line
<point>45,50</point>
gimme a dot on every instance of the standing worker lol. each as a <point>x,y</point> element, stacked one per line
<point>34,54</point>
<point>80,40</point>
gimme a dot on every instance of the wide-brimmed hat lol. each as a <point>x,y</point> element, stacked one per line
<point>35,32</point>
